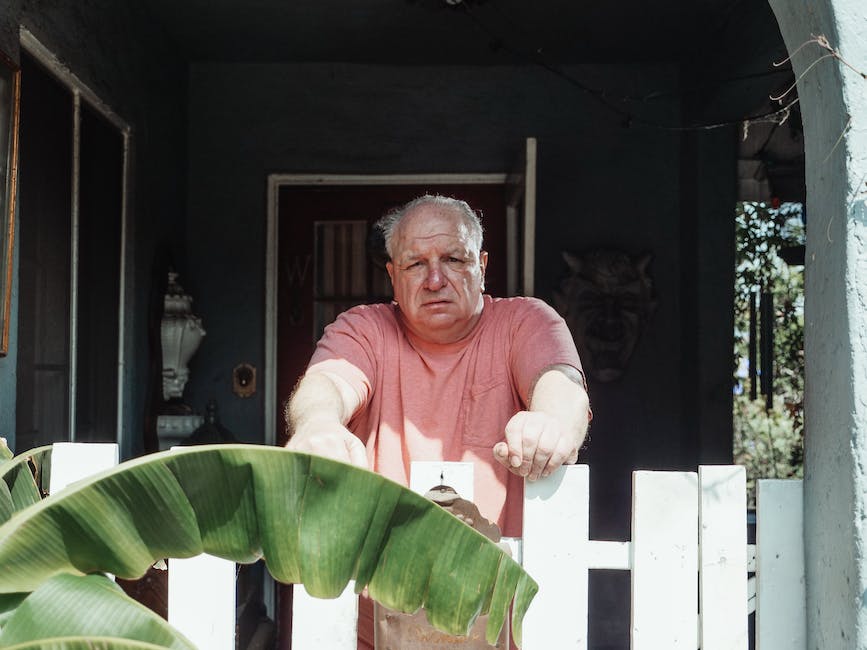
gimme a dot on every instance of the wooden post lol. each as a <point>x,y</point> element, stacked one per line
<point>320,623</point>
<point>781,608</point>
<point>723,558</point>
<point>556,530</point>
<point>664,560</point>
<point>201,600</point>
<point>423,475</point>
<point>73,461</point>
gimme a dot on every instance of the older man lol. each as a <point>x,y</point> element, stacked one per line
<point>445,372</point>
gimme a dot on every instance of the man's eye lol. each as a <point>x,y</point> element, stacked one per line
<point>455,259</point>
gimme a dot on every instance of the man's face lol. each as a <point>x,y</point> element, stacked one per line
<point>437,274</point>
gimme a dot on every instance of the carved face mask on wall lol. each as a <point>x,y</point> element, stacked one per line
<point>606,299</point>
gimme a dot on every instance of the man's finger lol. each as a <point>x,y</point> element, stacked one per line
<point>515,441</point>
<point>357,451</point>
<point>547,440</point>
<point>501,453</point>
<point>563,451</point>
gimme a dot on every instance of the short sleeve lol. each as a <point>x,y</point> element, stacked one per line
<point>540,339</point>
<point>354,337</point>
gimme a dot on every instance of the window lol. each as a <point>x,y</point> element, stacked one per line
<point>72,192</point>
<point>343,276</point>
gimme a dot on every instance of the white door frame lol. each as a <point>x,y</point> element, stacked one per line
<point>275,182</point>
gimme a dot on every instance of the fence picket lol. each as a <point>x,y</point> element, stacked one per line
<point>556,532</point>
<point>664,560</point>
<point>424,475</point>
<point>73,461</point>
<point>319,623</point>
<point>780,582</point>
<point>683,525</point>
<point>723,557</point>
<point>201,600</point>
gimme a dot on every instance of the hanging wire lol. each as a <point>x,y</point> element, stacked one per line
<point>627,117</point>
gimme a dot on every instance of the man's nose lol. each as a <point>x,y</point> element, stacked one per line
<point>435,278</point>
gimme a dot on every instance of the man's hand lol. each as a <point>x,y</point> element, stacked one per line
<point>535,445</point>
<point>329,439</point>
<point>550,434</point>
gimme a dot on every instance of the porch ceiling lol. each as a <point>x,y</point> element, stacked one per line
<point>478,32</point>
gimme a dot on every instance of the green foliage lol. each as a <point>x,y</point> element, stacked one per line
<point>314,521</point>
<point>769,442</point>
<point>69,608</point>
<point>5,452</point>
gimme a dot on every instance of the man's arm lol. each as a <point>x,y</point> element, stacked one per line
<point>317,414</point>
<point>552,431</point>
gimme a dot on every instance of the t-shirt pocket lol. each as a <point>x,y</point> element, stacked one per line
<point>487,409</point>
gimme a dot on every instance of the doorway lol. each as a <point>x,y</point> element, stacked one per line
<point>324,264</point>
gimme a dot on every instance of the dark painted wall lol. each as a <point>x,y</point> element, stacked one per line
<point>600,184</point>
<point>122,55</point>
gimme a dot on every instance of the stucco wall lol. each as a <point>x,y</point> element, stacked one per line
<point>834,103</point>
<point>126,59</point>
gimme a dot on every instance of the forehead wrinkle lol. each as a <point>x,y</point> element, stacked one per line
<point>459,249</point>
<point>424,218</point>
<point>411,246</point>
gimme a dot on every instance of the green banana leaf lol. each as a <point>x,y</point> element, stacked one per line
<point>8,605</point>
<point>7,507</point>
<point>89,643</point>
<point>5,452</point>
<point>315,521</point>
<point>24,480</point>
<point>102,611</point>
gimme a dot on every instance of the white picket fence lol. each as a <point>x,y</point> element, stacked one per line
<point>694,578</point>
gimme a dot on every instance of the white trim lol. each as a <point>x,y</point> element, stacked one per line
<point>275,181</point>
<point>530,219</point>
<point>387,179</point>
<point>271,312</point>
<point>121,301</point>
<point>48,59</point>
<point>511,250</point>
<point>73,260</point>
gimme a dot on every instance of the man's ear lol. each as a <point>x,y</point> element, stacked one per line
<point>389,268</point>
<point>483,263</point>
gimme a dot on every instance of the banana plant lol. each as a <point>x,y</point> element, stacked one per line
<point>313,521</point>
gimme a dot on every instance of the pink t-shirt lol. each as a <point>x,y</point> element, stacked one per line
<point>427,401</point>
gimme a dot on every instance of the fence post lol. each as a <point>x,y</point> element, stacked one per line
<point>424,475</point>
<point>201,600</point>
<point>556,530</point>
<point>781,597</point>
<point>723,558</point>
<point>333,624</point>
<point>74,461</point>
<point>664,560</point>
<point>320,623</point>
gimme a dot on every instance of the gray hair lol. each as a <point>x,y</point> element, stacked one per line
<point>388,224</point>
